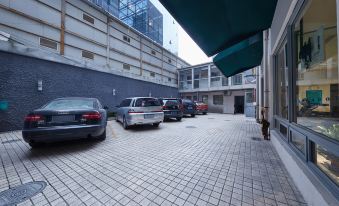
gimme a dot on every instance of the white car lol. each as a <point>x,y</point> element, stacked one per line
<point>140,111</point>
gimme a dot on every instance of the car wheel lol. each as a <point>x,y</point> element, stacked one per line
<point>192,115</point>
<point>178,118</point>
<point>102,136</point>
<point>204,113</point>
<point>124,123</point>
<point>156,124</point>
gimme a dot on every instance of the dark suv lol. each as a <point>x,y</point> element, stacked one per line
<point>171,108</point>
<point>189,107</point>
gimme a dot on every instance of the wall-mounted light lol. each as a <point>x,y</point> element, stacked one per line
<point>40,85</point>
<point>113,92</point>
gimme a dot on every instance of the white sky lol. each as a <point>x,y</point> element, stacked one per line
<point>187,48</point>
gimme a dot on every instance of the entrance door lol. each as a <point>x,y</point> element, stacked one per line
<point>239,102</point>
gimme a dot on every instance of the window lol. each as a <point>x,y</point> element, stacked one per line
<point>88,18</point>
<point>224,81</point>
<point>317,84</point>
<point>204,99</point>
<point>218,99</point>
<point>237,79</point>
<point>215,77</point>
<point>299,141</point>
<point>169,61</point>
<point>153,52</point>
<point>327,162</point>
<point>169,79</point>
<point>126,38</point>
<point>126,66</point>
<point>48,43</point>
<point>87,54</point>
<point>152,74</point>
<point>147,102</point>
<point>282,87</point>
<point>125,103</point>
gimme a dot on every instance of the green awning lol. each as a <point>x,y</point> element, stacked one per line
<point>240,57</point>
<point>216,25</point>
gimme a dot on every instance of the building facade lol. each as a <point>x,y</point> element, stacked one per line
<point>144,17</point>
<point>206,83</point>
<point>87,40</point>
<point>298,89</point>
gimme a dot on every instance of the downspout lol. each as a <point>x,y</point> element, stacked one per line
<point>257,93</point>
<point>266,74</point>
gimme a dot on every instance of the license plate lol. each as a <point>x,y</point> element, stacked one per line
<point>149,116</point>
<point>63,118</point>
<point>190,107</point>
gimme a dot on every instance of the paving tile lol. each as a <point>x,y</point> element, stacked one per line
<point>216,163</point>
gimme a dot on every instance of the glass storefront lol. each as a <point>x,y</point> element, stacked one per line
<point>282,89</point>
<point>307,96</point>
<point>317,82</point>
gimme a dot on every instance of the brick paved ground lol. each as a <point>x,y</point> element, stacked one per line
<point>216,163</point>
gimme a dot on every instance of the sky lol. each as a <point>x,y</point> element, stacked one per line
<point>187,48</point>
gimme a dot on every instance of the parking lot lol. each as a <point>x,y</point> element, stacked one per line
<point>212,159</point>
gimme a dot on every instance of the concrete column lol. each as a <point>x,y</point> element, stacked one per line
<point>209,76</point>
<point>192,71</point>
<point>108,47</point>
<point>62,27</point>
<point>141,61</point>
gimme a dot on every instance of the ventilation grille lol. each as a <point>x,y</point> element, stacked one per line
<point>48,43</point>
<point>88,18</point>
<point>126,66</point>
<point>87,54</point>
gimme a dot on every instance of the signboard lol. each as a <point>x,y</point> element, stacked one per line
<point>3,105</point>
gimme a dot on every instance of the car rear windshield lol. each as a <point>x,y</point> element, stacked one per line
<point>68,104</point>
<point>147,102</point>
<point>170,101</point>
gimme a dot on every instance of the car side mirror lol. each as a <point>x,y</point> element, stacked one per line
<point>105,107</point>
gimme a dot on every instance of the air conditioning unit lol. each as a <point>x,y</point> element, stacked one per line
<point>227,93</point>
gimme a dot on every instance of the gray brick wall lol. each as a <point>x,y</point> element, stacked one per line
<point>19,77</point>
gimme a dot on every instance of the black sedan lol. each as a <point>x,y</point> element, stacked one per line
<point>65,119</point>
<point>171,108</point>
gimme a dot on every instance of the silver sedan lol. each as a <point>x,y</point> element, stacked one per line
<point>139,111</point>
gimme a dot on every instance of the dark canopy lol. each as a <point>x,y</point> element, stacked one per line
<point>240,57</point>
<point>218,24</point>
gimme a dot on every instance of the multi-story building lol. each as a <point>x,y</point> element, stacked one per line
<point>117,60</point>
<point>144,17</point>
<point>231,95</point>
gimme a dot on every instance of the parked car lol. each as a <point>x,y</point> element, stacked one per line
<point>65,119</point>
<point>202,108</point>
<point>140,111</point>
<point>189,108</point>
<point>171,108</point>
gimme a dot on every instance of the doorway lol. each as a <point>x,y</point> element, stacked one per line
<point>239,102</point>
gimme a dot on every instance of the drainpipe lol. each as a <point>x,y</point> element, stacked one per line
<point>266,74</point>
<point>257,93</point>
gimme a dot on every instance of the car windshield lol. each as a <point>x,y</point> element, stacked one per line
<point>68,104</point>
<point>147,102</point>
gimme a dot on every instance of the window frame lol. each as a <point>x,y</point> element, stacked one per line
<point>312,138</point>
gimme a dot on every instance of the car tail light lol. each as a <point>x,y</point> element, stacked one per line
<point>131,111</point>
<point>33,118</point>
<point>92,116</point>
<point>164,107</point>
